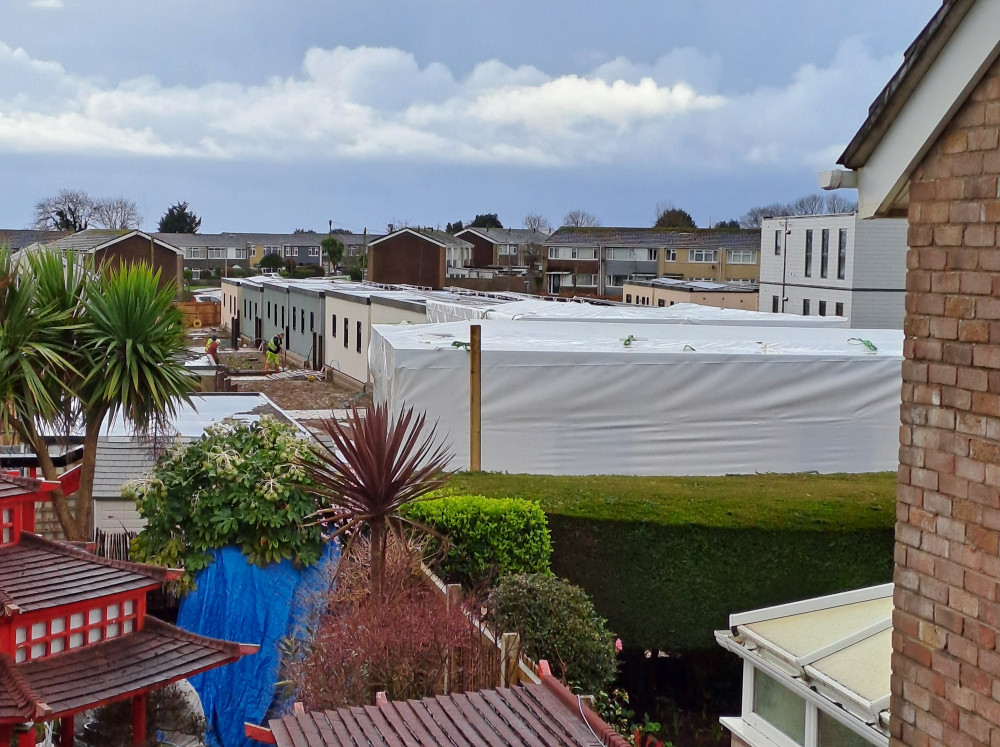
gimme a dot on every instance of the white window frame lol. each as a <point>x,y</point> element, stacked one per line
<point>609,281</point>
<point>314,251</point>
<point>703,255</point>
<point>741,256</point>
<point>240,254</point>
<point>216,253</point>
<point>669,255</point>
<point>580,283</point>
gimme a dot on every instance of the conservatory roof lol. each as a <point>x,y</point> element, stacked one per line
<point>838,646</point>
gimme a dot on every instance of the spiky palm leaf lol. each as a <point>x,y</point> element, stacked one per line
<point>136,341</point>
<point>376,464</point>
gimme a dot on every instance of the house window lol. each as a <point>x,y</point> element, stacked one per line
<point>311,322</point>
<point>39,638</point>
<point>216,253</point>
<point>314,251</point>
<point>586,280</point>
<point>358,336</point>
<point>832,733</point>
<point>822,308</point>
<point>805,307</point>
<point>809,253</point>
<point>741,256</point>
<point>839,308</point>
<point>615,281</point>
<point>585,253</point>
<point>346,328</point>
<point>824,254</point>
<point>6,526</point>
<point>779,707</point>
<point>660,303</point>
<point>842,254</point>
<point>241,254</point>
<point>269,310</point>
<point>777,243</point>
<point>333,325</point>
<point>294,317</point>
<point>631,255</point>
<point>628,298</point>
<point>669,255</point>
<point>774,304</point>
<point>194,253</point>
<point>702,255</point>
<point>282,316</point>
<point>302,324</point>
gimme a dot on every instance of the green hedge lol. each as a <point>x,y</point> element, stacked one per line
<point>487,537</point>
<point>667,560</point>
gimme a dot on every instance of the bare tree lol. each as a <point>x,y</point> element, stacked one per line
<point>116,213</point>
<point>536,222</point>
<point>580,219</point>
<point>837,204</point>
<point>809,205</point>
<point>69,210</point>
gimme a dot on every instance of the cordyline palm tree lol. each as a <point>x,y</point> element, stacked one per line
<point>81,348</point>
<point>377,463</point>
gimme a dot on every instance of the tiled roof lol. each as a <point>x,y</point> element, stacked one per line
<point>441,237</point>
<point>91,239</point>
<point>110,670</point>
<point>656,237</point>
<point>15,239</point>
<point>529,715</point>
<point>37,573</point>
<point>119,462</point>
<point>917,60</point>
<point>240,240</point>
<point>13,487</point>
<point>509,235</point>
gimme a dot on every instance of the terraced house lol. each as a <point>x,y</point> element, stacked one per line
<point>599,261</point>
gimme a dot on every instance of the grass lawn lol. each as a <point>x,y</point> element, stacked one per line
<point>799,501</point>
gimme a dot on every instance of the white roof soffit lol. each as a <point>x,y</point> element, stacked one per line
<point>884,179</point>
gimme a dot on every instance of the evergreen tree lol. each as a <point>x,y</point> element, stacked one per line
<point>178,219</point>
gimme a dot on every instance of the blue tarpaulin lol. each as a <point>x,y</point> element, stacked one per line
<point>238,601</point>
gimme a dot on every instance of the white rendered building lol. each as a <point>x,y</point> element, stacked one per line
<point>835,265</point>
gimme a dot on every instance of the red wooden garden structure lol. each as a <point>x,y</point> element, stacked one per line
<point>74,633</point>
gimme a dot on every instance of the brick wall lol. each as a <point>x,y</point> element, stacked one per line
<point>946,666</point>
<point>406,258</point>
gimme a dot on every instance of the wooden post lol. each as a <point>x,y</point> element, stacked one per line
<point>475,397</point>
<point>139,720</point>
<point>453,600</point>
<point>510,653</point>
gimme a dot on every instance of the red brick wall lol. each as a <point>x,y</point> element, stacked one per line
<point>482,250</point>
<point>946,666</point>
<point>137,249</point>
<point>407,258</point>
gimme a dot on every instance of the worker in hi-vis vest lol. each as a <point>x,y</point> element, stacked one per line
<point>273,352</point>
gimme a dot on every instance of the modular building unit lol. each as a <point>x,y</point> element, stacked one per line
<point>566,398</point>
<point>350,312</point>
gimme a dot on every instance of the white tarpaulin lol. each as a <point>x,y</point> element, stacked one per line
<point>573,398</point>
<point>681,313</point>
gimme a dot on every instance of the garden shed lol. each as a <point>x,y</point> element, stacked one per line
<point>564,398</point>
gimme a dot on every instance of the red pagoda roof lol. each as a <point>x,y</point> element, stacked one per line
<point>12,486</point>
<point>38,573</point>
<point>111,670</point>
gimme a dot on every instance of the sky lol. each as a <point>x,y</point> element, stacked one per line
<point>268,116</point>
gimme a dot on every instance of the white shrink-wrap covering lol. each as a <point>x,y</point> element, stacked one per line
<point>681,313</point>
<point>570,398</point>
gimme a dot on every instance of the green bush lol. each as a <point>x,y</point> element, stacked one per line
<point>240,484</point>
<point>488,537</point>
<point>557,622</point>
